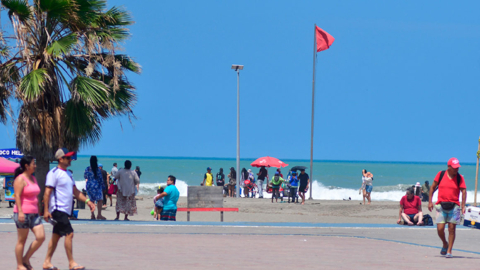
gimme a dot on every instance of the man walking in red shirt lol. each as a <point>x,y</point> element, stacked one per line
<point>449,183</point>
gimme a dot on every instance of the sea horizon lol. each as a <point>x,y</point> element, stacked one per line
<point>289,159</point>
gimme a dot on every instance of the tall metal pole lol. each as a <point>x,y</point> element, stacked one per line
<point>313,108</point>
<point>476,175</point>
<point>238,135</point>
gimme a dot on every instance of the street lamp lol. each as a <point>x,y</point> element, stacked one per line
<point>237,68</point>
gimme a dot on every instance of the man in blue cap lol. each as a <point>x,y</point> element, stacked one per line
<point>208,178</point>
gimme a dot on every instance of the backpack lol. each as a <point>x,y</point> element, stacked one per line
<point>459,176</point>
<point>427,220</point>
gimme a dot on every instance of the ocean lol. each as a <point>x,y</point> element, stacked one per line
<point>332,180</point>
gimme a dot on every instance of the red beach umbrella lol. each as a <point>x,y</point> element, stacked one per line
<point>268,162</point>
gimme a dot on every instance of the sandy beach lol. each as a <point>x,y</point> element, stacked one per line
<point>263,210</point>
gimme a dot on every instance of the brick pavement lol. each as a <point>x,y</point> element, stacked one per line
<point>178,246</point>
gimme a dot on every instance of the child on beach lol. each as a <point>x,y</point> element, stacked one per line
<point>158,203</point>
<point>293,180</point>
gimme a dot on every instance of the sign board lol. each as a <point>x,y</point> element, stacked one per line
<point>9,191</point>
<point>11,153</point>
<point>472,217</point>
<point>205,197</point>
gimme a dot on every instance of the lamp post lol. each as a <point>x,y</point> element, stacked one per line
<point>237,68</point>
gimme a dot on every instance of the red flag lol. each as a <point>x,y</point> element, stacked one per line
<point>324,39</point>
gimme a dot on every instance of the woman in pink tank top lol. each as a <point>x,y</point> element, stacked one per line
<point>25,212</point>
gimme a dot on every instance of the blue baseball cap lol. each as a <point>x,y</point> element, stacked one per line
<point>277,173</point>
<point>100,165</point>
<point>209,169</point>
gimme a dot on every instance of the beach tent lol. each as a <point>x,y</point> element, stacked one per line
<point>7,166</point>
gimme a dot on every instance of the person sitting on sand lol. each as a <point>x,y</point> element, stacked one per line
<point>158,202</point>
<point>277,180</point>
<point>410,209</point>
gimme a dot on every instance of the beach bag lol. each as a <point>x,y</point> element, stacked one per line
<point>427,220</point>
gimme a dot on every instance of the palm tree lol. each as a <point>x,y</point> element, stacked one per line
<point>60,63</point>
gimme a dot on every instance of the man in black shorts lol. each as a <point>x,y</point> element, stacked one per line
<point>59,189</point>
<point>304,183</point>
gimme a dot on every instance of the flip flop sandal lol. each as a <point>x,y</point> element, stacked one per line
<point>443,251</point>
<point>78,267</point>
<point>51,268</point>
<point>449,255</point>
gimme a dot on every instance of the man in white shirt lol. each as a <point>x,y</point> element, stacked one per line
<point>59,188</point>
<point>114,169</point>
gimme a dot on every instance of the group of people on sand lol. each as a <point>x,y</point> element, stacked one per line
<point>124,183</point>
<point>252,185</point>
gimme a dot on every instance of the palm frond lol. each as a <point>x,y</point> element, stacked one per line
<point>91,92</point>
<point>89,10</point>
<point>57,9</point>
<point>4,95</point>
<point>117,17</point>
<point>125,61</point>
<point>63,45</point>
<point>17,7</point>
<point>32,84</point>
<point>82,123</point>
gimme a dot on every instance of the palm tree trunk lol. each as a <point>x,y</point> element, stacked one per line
<point>43,166</point>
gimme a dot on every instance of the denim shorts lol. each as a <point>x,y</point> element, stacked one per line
<point>368,189</point>
<point>31,220</point>
<point>448,216</point>
<point>159,204</point>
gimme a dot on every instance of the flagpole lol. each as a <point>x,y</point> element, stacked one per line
<point>313,108</point>
<point>476,174</point>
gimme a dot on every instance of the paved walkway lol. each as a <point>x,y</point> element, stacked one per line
<point>182,245</point>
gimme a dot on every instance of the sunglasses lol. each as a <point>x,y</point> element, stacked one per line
<point>67,158</point>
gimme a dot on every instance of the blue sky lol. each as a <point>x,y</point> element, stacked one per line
<point>400,82</point>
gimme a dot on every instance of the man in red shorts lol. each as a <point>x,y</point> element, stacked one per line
<point>449,183</point>
<point>410,209</point>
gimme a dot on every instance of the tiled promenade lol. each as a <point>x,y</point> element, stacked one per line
<point>195,245</point>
